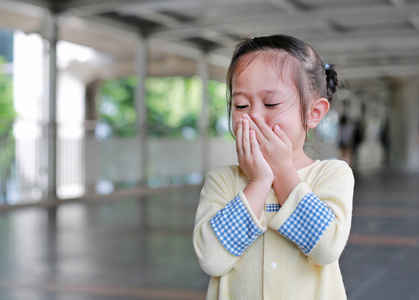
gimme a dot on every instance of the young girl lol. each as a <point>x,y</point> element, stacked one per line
<point>274,226</point>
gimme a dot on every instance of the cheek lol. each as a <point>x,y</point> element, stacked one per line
<point>289,121</point>
<point>277,119</point>
<point>234,119</point>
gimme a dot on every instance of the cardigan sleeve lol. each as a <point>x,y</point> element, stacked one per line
<point>318,218</point>
<point>225,226</point>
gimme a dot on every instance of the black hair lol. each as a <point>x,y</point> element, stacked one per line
<point>312,77</point>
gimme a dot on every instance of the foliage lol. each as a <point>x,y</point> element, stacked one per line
<point>217,108</point>
<point>173,104</point>
<point>116,105</point>
<point>7,113</point>
<point>7,116</point>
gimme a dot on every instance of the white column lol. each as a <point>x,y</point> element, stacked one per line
<point>140,104</point>
<point>404,124</point>
<point>51,34</point>
<point>203,73</point>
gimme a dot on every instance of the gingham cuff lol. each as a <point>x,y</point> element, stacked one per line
<point>307,223</point>
<point>235,227</point>
<point>272,207</point>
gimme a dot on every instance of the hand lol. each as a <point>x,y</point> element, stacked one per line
<point>255,167</point>
<point>274,144</point>
<point>250,157</point>
<point>277,150</point>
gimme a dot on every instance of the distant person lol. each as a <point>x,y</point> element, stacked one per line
<point>359,137</point>
<point>384,141</point>
<point>274,226</point>
<point>347,132</point>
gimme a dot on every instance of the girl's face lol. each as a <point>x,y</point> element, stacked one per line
<point>260,90</point>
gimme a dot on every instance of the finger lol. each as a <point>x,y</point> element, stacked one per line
<point>239,138</point>
<point>282,136</point>
<point>254,145</point>
<point>259,135</point>
<point>264,129</point>
<point>246,138</point>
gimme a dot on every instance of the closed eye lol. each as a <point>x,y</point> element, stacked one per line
<point>241,106</point>
<point>271,105</point>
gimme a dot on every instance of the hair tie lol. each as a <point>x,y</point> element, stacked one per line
<point>326,66</point>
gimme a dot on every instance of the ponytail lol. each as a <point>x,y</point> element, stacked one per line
<point>331,80</point>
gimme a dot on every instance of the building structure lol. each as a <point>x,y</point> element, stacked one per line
<point>375,43</point>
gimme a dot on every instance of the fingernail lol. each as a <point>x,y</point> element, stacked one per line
<point>276,127</point>
<point>254,116</point>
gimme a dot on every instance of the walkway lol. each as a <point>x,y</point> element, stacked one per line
<point>139,247</point>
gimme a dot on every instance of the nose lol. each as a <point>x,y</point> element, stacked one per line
<point>254,110</point>
<point>257,110</point>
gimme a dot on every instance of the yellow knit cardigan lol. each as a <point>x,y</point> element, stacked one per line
<point>273,266</point>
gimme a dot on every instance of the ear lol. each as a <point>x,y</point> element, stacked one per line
<point>317,111</point>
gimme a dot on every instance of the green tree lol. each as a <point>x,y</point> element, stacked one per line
<point>7,117</point>
<point>173,103</point>
<point>7,113</point>
<point>116,105</point>
<point>217,109</point>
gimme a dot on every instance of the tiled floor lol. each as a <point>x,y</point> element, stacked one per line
<point>139,246</point>
<point>381,260</point>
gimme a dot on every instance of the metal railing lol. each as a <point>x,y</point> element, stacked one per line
<point>24,163</point>
<point>88,165</point>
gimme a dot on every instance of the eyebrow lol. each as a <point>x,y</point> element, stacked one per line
<point>239,93</point>
<point>275,92</point>
<point>263,92</point>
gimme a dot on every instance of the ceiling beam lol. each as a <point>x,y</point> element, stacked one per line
<point>149,14</point>
<point>34,3</point>
<point>219,19</point>
<point>285,5</point>
<point>400,4</point>
<point>82,8</point>
<point>350,44</point>
<point>370,72</point>
<point>414,21</point>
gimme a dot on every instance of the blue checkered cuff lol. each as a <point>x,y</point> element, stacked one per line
<point>235,227</point>
<point>307,223</point>
<point>272,207</point>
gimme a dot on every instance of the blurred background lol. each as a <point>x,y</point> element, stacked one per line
<point>112,112</point>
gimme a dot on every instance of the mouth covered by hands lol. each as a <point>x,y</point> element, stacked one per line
<point>266,157</point>
<point>272,143</point>
<point>250,157</point>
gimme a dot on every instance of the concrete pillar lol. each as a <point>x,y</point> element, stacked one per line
<point>203,73</point>
<point>140,104</point>
<point>404,124</point>
<point>92,152</point>
<point>50,32</point>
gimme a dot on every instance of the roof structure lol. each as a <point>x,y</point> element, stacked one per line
<point>368,38</point>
